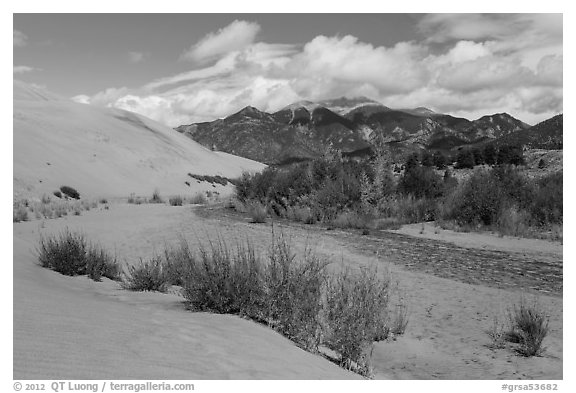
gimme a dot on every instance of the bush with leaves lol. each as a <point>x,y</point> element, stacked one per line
<point>175,200</point>
<point>70,192</point>
<point>476,201</point>
<point>421,182</point>
<point>355,315</point>
<point>70,254</point>
<point>546,205</point>
<point>148,275</point>
<point>65,253</point>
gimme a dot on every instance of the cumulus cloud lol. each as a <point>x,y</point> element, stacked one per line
<point>20,39</point>
<point>509,63</point>
<point>82,99</point>
<point>236,36</point>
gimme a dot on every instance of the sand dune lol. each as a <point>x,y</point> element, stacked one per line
<point>105,151</point>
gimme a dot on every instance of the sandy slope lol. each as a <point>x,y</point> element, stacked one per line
<point>105,151</point>
<point>72,327</point>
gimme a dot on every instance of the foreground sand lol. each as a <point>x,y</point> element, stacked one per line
<point>75,328</point>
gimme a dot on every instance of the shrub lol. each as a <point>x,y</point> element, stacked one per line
<point>465,159</point>
<point>70,254</point>
<point>301,214</point>
<point>294,293</point>
<point>240,207</point>
<point>101,264</point>
<point>69,191</point>
<point>219,280</point>
<point>351,220</point>
<point>257,212</point>
<point>156,198</point>
<point>20,213</point>
<point>355,315</point>
<point>408,209</point>
<point>476,201</point>
<point>146,276</point>
<point>199,199</point>
<point>546,205</point>
<point>399,321</point>
<point>513,221</point>
<point>103,201</point>
<point>421,182</point>
<point>529,327</point>
<point>175,201</point>
<point>510,154</point>
<point>295,296</point>
<point>57,194</point>
<point>65,253</point>
<point>541,164</point>
<point>328,200</point>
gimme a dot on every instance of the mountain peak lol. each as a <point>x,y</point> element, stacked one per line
<point>308,105</point>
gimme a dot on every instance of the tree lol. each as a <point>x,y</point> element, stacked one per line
<point>411,162</point>
<point>489,153</point>
<point>478,156</point>
<point>510,154</point>
<point>439,160</point>
<point>465,159</point>
<point>427,159</point>
<point>541,164</point>
<point>421,182</point>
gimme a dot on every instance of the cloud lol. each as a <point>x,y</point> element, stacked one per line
<point>81,99</point>
<point>23,69</point>
<point>236,36</point>
<point>20,39</point>
<point>442,28</point>
<point>510,63</point>
<point>138,57</point>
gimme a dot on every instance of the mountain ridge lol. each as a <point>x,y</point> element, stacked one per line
<point>305,129</point>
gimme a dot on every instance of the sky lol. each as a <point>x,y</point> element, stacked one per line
<point>184,68</point>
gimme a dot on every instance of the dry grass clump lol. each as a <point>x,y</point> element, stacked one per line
<point>302,214</point>
<point>175,200</point>
<point>99,263</point>
<point>198,199</point>
<point>20,213</point>
<point>257,211</point>
<point>156,198</point>
<point>146,276</point>
<point>400,320</point>
<point>47,208</point>
<point>135,200</point>
<point>527,327</point>
<point>351,219</point>
<point>70,254</point>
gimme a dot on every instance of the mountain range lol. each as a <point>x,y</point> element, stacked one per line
<point>302,130</point>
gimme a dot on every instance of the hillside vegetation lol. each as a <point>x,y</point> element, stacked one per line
<point>374,194</point>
